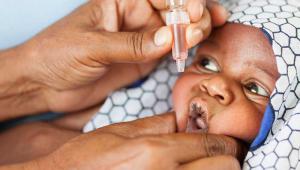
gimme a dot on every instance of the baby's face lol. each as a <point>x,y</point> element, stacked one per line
<point>226,89</point>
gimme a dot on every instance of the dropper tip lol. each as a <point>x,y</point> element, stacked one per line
<point>180,65</point>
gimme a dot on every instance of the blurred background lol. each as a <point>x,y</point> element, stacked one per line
<point>22,19</point>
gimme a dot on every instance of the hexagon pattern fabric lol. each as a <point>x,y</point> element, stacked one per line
<point>152,97</point>
<point>280,150</point>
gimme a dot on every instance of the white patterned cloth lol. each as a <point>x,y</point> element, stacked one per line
<point>145,98</point>
<point>278,142</point>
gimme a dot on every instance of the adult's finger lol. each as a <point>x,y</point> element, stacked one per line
<point>203,18</point>
<point>130,47</point>
<point>196,8</point>
<point>160,124</point>
<point>186,147</point>
<point>197,32</point>
<point>213,163</point>
<point>158,4</point>
<point>215,15</point>
<point>218,13</point>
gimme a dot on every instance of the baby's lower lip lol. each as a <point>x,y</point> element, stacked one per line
<point>196,125</point>
<point>201,123</point>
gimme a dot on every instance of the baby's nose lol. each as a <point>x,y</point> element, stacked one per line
<point>219,88</point>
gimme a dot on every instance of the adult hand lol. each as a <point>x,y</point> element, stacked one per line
<point>72,55</point>
<point>79,55</point>
<point>145,144</point>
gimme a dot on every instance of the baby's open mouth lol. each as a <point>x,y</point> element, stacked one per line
<point>197,121</point>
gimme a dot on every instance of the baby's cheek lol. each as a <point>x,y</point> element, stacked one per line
<point>244,126</point>
<point>181,96</point>
<point>183,91</point>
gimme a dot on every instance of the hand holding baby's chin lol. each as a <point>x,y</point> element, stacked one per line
<point>143,144</point>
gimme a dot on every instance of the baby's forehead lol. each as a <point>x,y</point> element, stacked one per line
<point>239,41</point>
<point>237,45</point>
<point>237,32</point>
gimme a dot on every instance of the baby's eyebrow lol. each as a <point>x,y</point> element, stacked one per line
<point>263,69</point>
<point>212,42</point>
<point>271,74</point>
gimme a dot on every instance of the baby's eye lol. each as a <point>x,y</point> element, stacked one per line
<point>209,65</point>
<point>256,89</point>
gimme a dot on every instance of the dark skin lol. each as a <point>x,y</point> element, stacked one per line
<point>228,57</point>
<point>149,141</point>
<point>61,68</point>
<point>76,56</point>
<point>231,78</point>
<point>225,49</point>
<point>235,69</point>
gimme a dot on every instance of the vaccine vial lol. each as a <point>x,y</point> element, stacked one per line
<point>178,19</point>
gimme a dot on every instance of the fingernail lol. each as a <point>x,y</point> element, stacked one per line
<point>161,36</point>
<point>197,32</point>
<point>194,36</point>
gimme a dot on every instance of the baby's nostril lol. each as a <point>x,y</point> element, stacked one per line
<point>203,88</point>
<point>220,97</point>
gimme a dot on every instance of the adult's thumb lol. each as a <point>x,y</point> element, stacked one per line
<point>159,124</point>
<point>133,47</point>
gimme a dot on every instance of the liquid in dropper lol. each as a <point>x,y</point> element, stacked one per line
<point>178,19</point>
<point>179,48</point>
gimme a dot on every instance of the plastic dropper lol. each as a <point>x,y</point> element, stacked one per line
<point>178,19</point>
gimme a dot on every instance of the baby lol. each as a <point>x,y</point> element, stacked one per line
<point>225,89</point>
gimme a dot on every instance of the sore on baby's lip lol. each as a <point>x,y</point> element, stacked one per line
<point>198,116</point>
<point>198,106</point>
